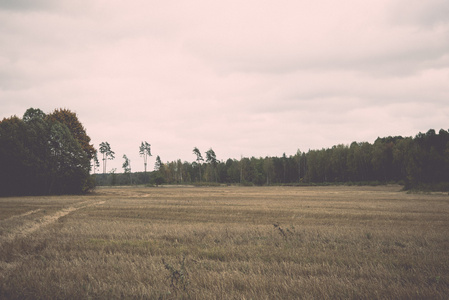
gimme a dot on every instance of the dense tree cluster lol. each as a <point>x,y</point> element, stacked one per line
<point>423,160</point>
<point>419,161</point>
<point>44,154</point>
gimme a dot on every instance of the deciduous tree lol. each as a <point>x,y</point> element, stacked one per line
<point>96,163</point>
<point>70,119</point>
<point>39,155</point>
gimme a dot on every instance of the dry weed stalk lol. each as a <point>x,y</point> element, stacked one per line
<point>178,277</point>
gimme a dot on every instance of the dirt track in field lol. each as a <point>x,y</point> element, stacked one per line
<point>33,225</point>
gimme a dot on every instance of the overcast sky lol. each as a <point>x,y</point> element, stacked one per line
<point>252,78</point>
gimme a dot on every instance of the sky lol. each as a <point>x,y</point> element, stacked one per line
<point>245,78</point>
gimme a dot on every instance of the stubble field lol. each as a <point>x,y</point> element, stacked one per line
<point>226,243</point>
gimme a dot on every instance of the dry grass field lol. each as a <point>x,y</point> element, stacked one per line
<point>226,243</point>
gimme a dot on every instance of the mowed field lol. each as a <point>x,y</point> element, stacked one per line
<point>226,243</point>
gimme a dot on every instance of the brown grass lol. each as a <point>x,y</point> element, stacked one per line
<point>226,243</point>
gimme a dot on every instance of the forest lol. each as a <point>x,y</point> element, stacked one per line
<point>420,162</point>
<point>51,154</point>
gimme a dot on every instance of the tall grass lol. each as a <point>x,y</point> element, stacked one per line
<point>228,243</point>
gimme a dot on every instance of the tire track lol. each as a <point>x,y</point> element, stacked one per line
<point>23,215</point>
<point>32,226</point>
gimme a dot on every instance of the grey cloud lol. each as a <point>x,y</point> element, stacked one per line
<point>47,6</point>
<point>427,13</point>
<point>371,47</point>
<point>26,5</point>
<point>385,55</point>
<point>235,77</point>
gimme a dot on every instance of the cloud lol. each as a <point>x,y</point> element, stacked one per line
<point>321,36</point>
<point>422,14</point>
<point>245,78</point>
<point>24,5</point>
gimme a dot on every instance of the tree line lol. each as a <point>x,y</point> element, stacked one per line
<point>51,154</point>
<point>416,162</point>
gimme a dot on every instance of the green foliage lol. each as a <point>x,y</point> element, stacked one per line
<point>70,119</point>
<point>126,164</point>
<point>199,159</point>
<point>127,169</point>
<point>108,154</point>
<point>158,164</point>
<point>421,162</point>
<point>157,178</point>
<point>96,163</point>
<point>145,151</point>
<point>39,155</point>
<point>33,114</point>
<point>211,170</point>
<point>113,177</point>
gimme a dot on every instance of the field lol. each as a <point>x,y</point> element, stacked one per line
<point>226,243</point>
